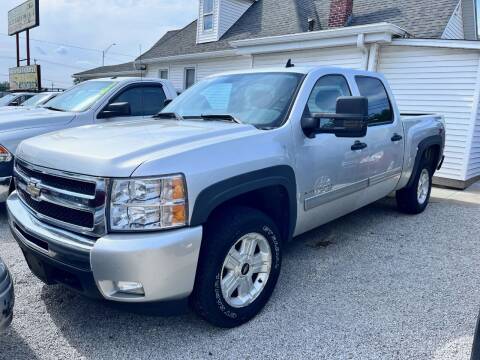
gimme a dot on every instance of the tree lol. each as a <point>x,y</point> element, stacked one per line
<point>4,86</point>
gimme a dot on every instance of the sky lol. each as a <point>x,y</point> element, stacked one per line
<point>73,33</point>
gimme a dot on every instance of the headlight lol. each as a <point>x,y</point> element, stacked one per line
<point>148,204</point>
<point>5,155</point>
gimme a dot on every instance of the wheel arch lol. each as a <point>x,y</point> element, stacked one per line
<point>431,146</point>
<point>271,190</point>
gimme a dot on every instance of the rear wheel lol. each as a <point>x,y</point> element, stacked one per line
<point>415,199</point>
<point>238,268</point>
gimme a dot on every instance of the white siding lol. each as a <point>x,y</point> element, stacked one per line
<point>341,56</point>
<point>230,12</point>
<point>454,29</point>
<point>440,81</point>
<point>209,35</point>
<point>474,163</point>
<point>225,14</point>
<point>203,68</point>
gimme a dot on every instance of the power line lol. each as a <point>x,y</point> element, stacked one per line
<point>74,46</point>
<point>50,62</point>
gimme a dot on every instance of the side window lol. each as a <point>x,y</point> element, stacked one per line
<point>325,93</point>
<point>153,100</point>
<point>143,101</point>
<point>379,106</point>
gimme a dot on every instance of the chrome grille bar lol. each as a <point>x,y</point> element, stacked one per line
<point>60,206</point>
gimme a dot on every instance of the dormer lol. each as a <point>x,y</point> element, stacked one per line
<point>215,17</point>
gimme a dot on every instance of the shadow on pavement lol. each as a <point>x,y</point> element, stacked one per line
<point>12,343</point>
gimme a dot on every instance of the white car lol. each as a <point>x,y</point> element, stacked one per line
<point>15,99</point>
<point>92,102</point>
<point>36,100</point>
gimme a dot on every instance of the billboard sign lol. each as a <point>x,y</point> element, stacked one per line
<point>23,17</point>
<point>25,78</point>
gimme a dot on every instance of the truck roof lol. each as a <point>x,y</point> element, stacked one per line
<point>303,69</point>
<point>128,79</point>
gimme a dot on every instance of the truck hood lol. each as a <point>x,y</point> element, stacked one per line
<point>117,149</point>
<point>32,118</point>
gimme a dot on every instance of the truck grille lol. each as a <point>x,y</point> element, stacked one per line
<point>70,201</point>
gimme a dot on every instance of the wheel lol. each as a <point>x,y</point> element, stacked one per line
<point>414,199</point>
<point>239,265</point>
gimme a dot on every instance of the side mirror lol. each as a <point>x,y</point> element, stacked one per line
<point>350,119</point>
<point>115,110</point>
<point>15,103</point>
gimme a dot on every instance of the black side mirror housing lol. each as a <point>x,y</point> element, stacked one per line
<point>350,119</point>
<point>15,103</point>
<point>115,110</point>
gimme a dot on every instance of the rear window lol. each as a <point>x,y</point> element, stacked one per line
<point>379,106</point>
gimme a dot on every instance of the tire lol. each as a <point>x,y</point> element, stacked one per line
<point>229,230</point>
<point>411,200</point>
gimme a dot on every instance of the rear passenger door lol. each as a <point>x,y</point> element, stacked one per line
<point>384,138</point>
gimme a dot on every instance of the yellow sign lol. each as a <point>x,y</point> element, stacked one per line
<point>25,78</point>
<point>23,17</point>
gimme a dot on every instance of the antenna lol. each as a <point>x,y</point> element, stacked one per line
<point>289,64</point>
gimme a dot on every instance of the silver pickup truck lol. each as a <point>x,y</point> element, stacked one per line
<point>92,102</point>
<point>197,203</point>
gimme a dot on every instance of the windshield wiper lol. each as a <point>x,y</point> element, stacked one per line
<point>168,115</point>
<point>53,109</point>
<point>220,117</point>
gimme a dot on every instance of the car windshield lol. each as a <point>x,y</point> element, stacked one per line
<point>7,99</point>
<point>259,99</point>
<point>36,100</point>
<point>81,97</point>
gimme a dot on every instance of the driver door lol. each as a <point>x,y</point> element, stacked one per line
<point>331,181</point>
<point>144,101</point>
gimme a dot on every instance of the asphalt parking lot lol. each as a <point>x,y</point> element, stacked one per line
<point>373,285</point>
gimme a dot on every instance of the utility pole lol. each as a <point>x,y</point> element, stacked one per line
<point>104,52</point>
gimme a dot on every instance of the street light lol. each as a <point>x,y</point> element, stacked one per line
<point>104,52</point>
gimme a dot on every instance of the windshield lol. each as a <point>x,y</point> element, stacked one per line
<point>81,97</point>
<point>7,99</point>
<point>36,100</point>
<point>259,99</point>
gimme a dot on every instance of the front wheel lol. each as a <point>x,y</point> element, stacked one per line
<point>238,268</point>
<point>415,199</point>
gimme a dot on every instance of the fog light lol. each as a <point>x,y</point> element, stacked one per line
<point>128,287</point>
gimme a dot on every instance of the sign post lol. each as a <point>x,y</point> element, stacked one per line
<point>24,17</point>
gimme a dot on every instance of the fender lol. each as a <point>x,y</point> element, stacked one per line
<point>213,196</point>
<point>424,145</point>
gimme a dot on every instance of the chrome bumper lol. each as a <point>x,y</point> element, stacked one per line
<point>164,263</point>
<point>7,299</point>
<point>4,188</point>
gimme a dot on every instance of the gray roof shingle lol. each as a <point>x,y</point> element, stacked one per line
<point>108,69</point>
<point>421,19</point>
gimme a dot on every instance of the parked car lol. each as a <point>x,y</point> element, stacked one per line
<point>15,99</point>
<point>198,202</point>
<point>7,297</point>
<point>35,101</point>
<point>91,102</point>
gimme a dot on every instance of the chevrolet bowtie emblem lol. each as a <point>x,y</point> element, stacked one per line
<point>33,190</point>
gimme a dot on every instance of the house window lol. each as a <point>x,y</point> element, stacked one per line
<point>163,74</point>
<point>189,77</point>
<point>208,14</point>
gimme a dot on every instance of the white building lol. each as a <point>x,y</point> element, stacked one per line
<point>428,51</point>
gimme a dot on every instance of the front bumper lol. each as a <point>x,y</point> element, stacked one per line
<point>164,263</point>
<point>7,299</point>
<point>4,188</point>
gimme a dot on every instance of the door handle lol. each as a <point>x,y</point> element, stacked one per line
<point>359,146</point>
<point>397,137</point>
